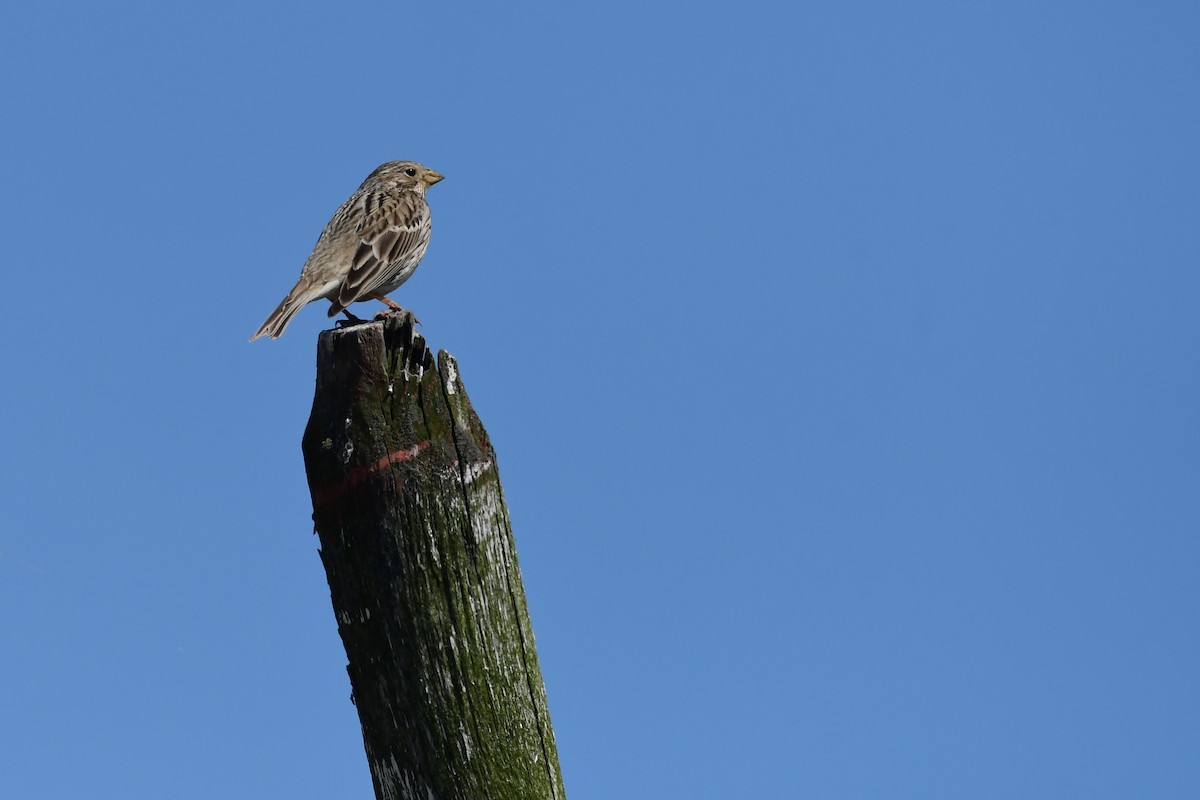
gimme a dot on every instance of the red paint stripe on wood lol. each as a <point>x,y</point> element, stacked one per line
<point>359,474</point>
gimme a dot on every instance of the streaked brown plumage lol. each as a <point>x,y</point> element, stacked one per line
<point>373,243</point>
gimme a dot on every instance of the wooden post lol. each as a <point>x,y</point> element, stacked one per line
<point>422,569</point>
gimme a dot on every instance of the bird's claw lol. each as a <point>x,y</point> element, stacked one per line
<point>349,322</point>
<point>387,312</point>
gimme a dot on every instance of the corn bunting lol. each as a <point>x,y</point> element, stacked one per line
<point>372,245</point>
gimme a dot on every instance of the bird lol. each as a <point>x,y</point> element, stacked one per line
<point>370,246</point>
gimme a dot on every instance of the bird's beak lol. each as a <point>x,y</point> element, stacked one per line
<point>432,177</point>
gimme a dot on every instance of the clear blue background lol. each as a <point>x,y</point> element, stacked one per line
<point>841,358</point>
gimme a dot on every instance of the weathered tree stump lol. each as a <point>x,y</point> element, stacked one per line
<point>422,568</point>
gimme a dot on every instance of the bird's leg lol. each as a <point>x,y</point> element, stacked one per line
<point>393,307</point>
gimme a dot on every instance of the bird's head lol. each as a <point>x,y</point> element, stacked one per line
<point>405,174</point>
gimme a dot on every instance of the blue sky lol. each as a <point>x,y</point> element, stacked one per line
<point>841,359</point>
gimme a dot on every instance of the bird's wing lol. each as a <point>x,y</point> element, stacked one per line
<point>391,226</point>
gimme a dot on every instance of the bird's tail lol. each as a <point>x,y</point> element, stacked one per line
<point>279,319</point>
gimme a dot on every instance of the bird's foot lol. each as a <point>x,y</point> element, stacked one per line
<point>392,308</point>
<point>387,312</point>
<point>350,320</point>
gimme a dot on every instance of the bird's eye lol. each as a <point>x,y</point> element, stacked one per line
<point>410,172</point>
